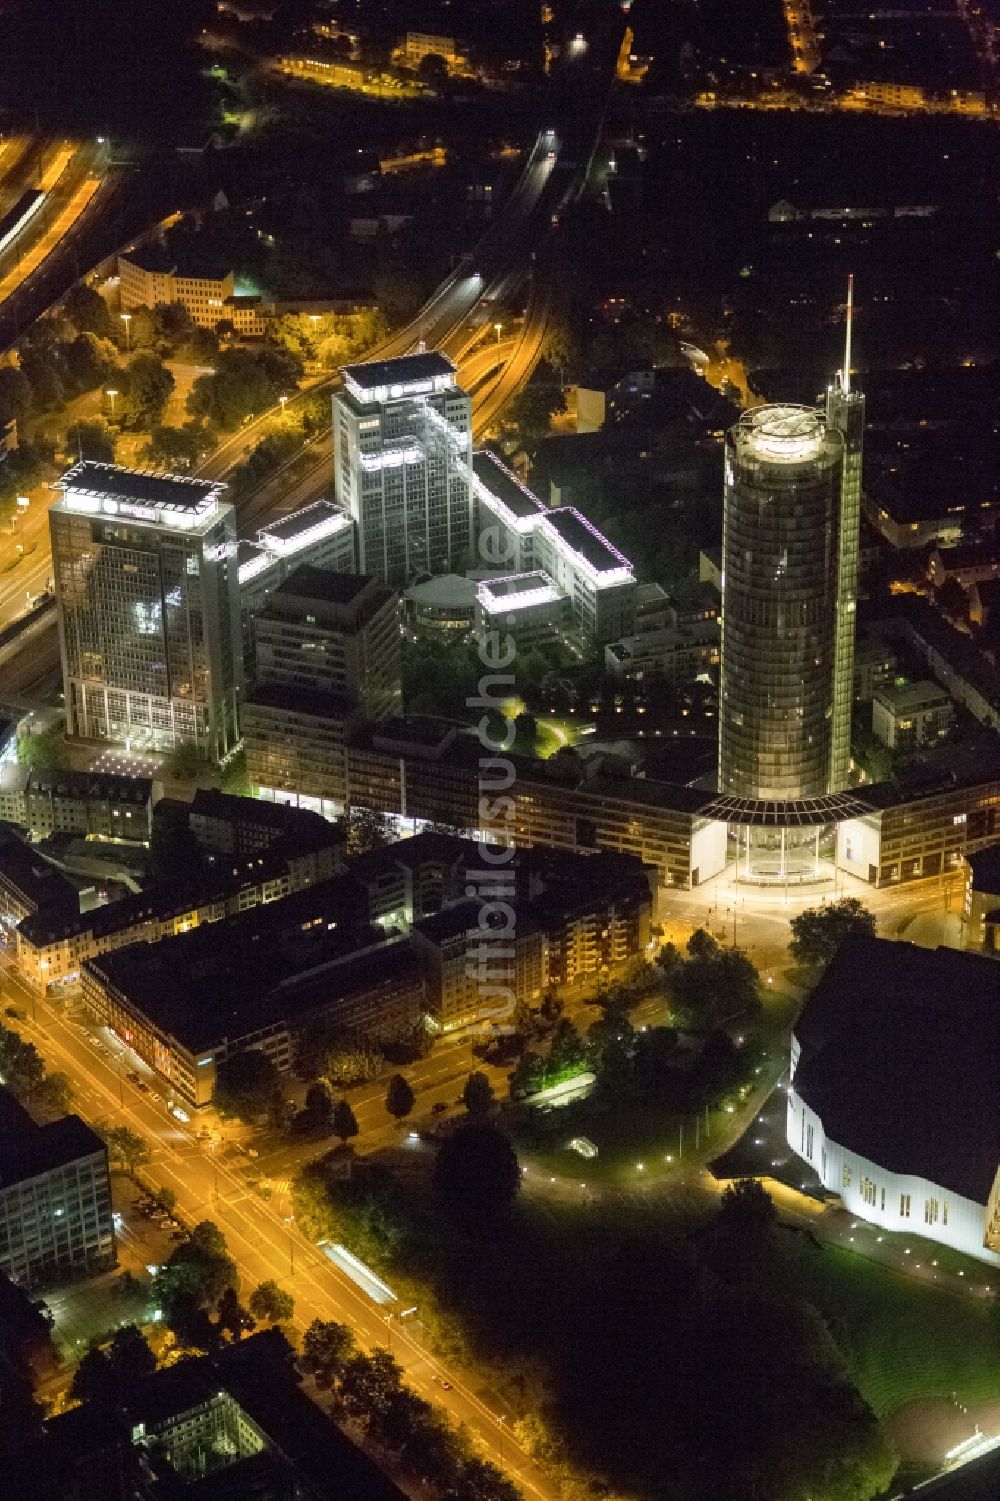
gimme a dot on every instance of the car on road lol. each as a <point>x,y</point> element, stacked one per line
<point>439,1107</point>
<point>445,1385</point>
<point>178,1235</point>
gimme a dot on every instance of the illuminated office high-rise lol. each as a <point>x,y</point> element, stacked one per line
<point>402,452</point>
<point>789,590</point>
<point>149,627</point>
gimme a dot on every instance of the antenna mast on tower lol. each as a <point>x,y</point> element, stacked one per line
<point>847,334</point>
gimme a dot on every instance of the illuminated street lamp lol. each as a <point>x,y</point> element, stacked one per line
<point>111,393</point>
<point>499,329</point>
<point>127,319</point>
<point>281,402</point>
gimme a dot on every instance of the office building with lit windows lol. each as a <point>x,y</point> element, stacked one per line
<point>789,590</point>
<point>901,1118</point>
<point>55,1198</point>
<point>402,448</point>
<point>145,575</point>
<point>779,604</point>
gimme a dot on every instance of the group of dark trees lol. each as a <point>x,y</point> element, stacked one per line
<point>710,1363</point>
<point>711,986</point>
<point>818,932</point>
<point>476,1182</point>
<point>200,1278</point>
<point>79,349</point>
<point>244,383</point>
<point>369,1389</point>
<point>23,1072</point>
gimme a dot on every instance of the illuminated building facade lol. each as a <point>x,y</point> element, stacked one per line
<point>402,446</point>
<point>148,605</point>
<point>779,604</point>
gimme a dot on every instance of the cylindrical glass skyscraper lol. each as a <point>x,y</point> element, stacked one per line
<point>780,569</point>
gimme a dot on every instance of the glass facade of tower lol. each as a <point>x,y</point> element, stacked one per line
<point>146,585</point>
<point>779,603</point>
<point>402,443</point>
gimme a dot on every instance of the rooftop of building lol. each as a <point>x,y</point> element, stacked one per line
<point>97,786</point>
<point>299,523</point>
<point>985,868</point>
<point>500,481</point>
<point>444,591</point>
<point>258,1375</point>
<point>137,487</point>
<point>503,591</point>
<point>27,1150</point>
<point>38,882</point>
<point>967,555</point>
<point>900,1058</point>
<point>903,697</point>
<point>578,533</point>
<point>210,802</point>
<point>157,903</point>
<point>240,961</point>
<point>193,263</point>
<point>307,582</point>
<point>407,368</point>
<point>309,702</point>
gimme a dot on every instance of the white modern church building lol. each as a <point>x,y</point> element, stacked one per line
<point>894,1095</point>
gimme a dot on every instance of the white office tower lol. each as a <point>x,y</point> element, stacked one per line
<point>149,625</point>
<point>402,448</point>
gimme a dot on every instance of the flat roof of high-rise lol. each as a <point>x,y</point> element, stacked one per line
<point>400,371</point>
<point>141,487</point>
<point>297,523</point>
<point>309,582</point>
<point>495,477</point>
<point>585,539</point>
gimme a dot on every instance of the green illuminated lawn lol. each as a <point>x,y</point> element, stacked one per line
<point>906,1340</point>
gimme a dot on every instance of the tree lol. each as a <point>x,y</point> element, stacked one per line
<point>369,1383</point>
<point>146,388</point>
<point>476,1173</point>
<point>714,987</point>
<point>701,945</point>
<point>54,1095</point>
<point>433,70</point>
<point>124,1145</point>
<point>318,1105</point>
<point>528,415</point>
<point>245,1085</point>
<point>89,313</point>
<point>232,1317</point>
<point>45,751</point>
<point>344,1122</point>
<point>818,932</point>
<point>327,1347</point>
<point>551,1008</point>
<point>129,1357</point>
<point>109,1375</point>
<point>271,1302</point>
<point>746,1207</point>
<point>184,762</point>
<point>399,1097</point>
<point>92,1379</point>
<point>21,1066</point>
<point>178,447</point>
<point>477,1096</point>
<point>243,384</point>
<point>15,394</point>
<point>90,361</point>
<point>479,1480</point>
<point>167,1199</point>
<point>350,1059</point>
<point>368,830</point>
<point>92,439</point>
<point>198,1271</point>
